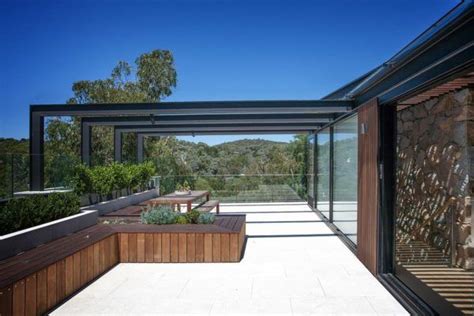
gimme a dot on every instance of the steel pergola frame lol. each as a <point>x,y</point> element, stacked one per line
<point>181,118</point>
<point>209,124</point>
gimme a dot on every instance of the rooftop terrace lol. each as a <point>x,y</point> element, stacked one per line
<point>293,264</point>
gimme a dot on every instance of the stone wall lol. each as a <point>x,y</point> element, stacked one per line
<point>434,162</point>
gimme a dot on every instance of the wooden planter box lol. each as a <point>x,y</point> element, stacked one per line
<point>222,241</point>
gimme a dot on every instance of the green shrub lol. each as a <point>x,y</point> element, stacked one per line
<point>193,216</point>
<point>22,213</point>
<point>104,180</point>
<point>145,171</point>
<point>119,174</point>
<point>182,219</point>
<point>160,215</point>
<point>81,180</point>
<point>206,218</point>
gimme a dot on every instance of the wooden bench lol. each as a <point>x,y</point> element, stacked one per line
<point>208,206</point>
<point>37,280</point>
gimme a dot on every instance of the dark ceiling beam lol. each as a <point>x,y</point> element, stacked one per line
<point>458,63</point>
<point>211,119</point>
<point>196,108</point>
<point>217,129</point>
<point>199,133</point>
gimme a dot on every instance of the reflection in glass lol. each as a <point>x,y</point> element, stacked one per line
<point>434,221</point>
<point>345,177</point>
<point>322,172</point>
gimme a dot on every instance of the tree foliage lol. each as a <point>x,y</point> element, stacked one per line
<point>151,79</point>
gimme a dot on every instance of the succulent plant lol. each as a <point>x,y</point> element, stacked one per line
<point>159,215</point>
<point>206,218</point>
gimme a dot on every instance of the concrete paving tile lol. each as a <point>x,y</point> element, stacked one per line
<point>227,306</point>
<point>331,306</point>
<point>282,288</point>
<point>352,286</point>
<point>285,275</point>
<point>217,287</point>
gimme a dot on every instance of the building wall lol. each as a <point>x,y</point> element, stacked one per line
<point>434,162</point>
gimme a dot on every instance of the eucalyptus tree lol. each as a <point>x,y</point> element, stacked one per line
<point>151,79</point>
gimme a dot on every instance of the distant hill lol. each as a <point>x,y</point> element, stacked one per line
<point>250,142</point>
<point>209,166</point>
<point>247,156</point>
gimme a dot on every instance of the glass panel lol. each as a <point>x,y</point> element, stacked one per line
<point>241,188</point>
<point>322,165</point>
<point>311,169</point>
<point>434,223</point>
<point>345,177</point>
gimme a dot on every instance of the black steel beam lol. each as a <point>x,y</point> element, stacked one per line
<point>217,129</point>
<point>36,151</point>
<point>201,133</point>
<point>196,108</point>
<point>213,119</point>
<point>461,60</point>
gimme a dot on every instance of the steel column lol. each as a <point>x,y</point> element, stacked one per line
<point>86,143</point>
<point>331,173</point>
<point>117,145</point>
<point>140,142</point>
<point>36,151</point>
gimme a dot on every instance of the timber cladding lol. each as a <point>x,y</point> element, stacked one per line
<point>222,242</point>
<point>368,185</point>
<point>34,282</point>
<point>44,289</point>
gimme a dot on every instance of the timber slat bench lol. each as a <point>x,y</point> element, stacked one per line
<point>34,282</point>
<point>208,206</point>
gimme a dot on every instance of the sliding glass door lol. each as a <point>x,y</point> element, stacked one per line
<point>322,171</point>
<point>336,175</point>
<point>345,177</point>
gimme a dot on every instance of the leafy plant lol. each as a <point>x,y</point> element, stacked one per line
<point>182,219</point>
<point>81,180</point>
<point>192,216</point>
<point>206,218</point>
<point>183,187</point>
<point>159,215</point>
<point>120,175</point>
<point>145,171</point>
<point>104,180</point>
<point>25,212</point>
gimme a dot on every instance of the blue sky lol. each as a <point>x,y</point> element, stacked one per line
<point>224,50</point>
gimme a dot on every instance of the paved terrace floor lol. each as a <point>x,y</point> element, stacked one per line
<point>293,275</point>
